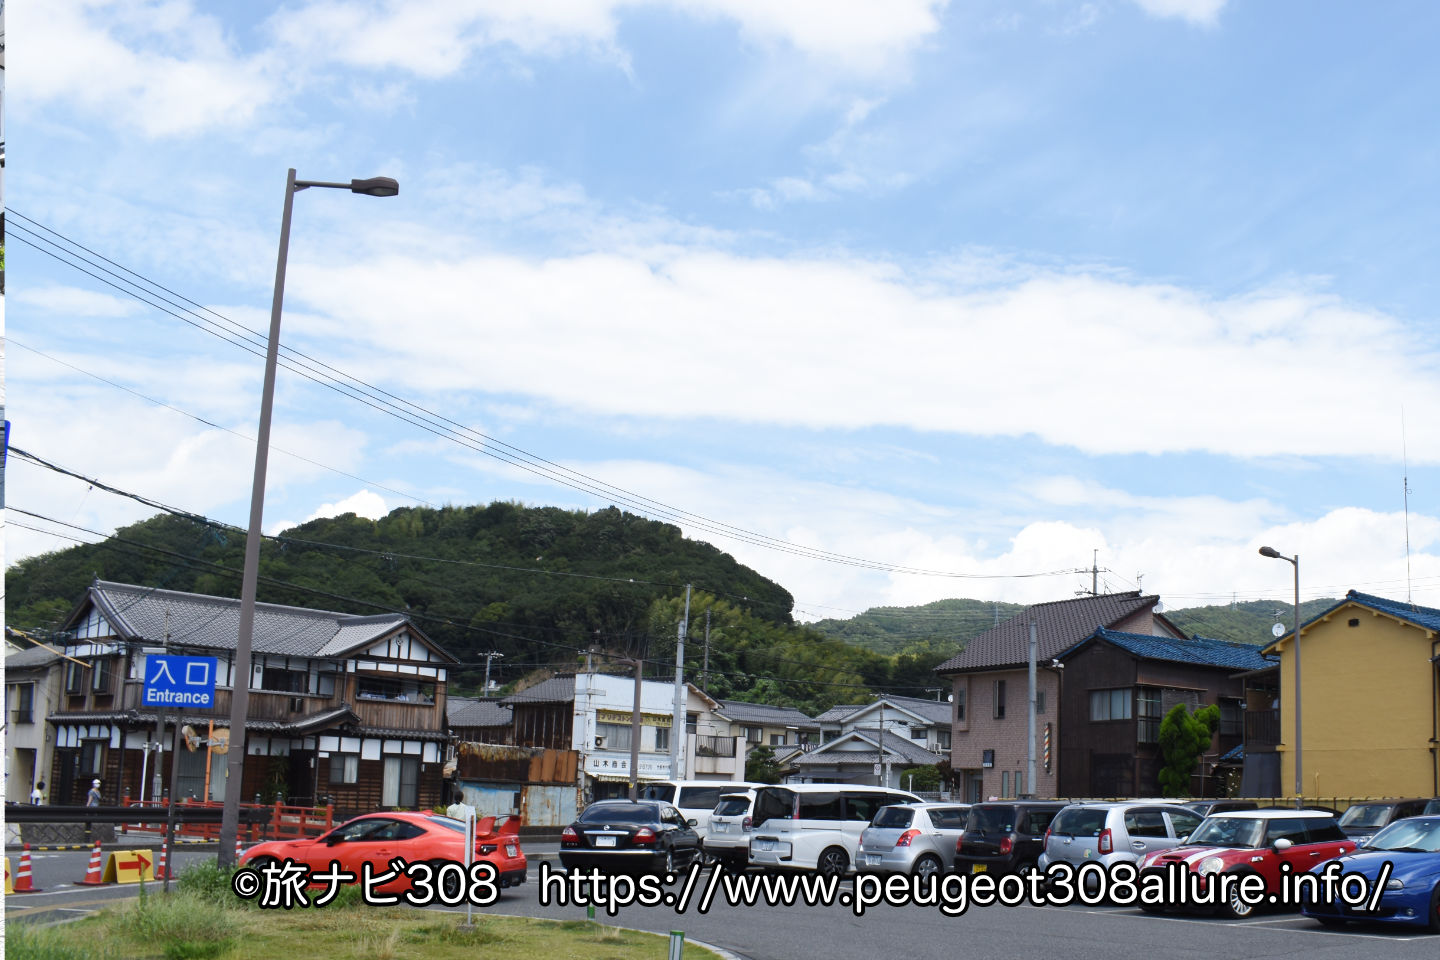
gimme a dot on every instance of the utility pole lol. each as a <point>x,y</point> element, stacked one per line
<point>159,783</point>
<point>635,731</point>
<point>492,655</point>
<point>677,720</point>
<point>705,677</point>
<point>1030,724</point>
<point>1095,574</point>
<point>884,757</point>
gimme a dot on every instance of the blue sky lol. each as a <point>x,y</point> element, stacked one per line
<point>977,288</point>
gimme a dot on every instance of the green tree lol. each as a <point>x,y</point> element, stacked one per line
<point>1184,738</point>
<point>760,766</point>
<point>921,778</point>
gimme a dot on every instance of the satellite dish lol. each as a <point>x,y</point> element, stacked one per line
<point>1278,630</point>
<point>191,737</point>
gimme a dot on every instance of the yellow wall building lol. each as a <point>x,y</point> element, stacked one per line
<point>1370,700</point>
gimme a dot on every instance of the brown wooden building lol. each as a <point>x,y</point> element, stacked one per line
<point>1115,689</point>
<point>344,708</point>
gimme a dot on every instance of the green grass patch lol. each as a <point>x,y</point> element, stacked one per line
<point>191,925</point>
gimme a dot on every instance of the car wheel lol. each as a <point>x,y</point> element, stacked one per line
<point>670,862</point>
<point>450,884</point>
<point>260,863</point>
<point>1435,909</point>
<point>1026,868</point>
<point>833,862</point>
<point>927,866</point>
<point>1236,906</point>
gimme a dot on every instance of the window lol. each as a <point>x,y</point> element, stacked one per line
<point>381,688</point>
<point>1183,821</point>
<point>285,681</point>
<point>959,704</point>
<point>1110,704</point>
<point>773,803</point>
<point>24,703</point>
<point>944,738</point>
<point>820,806</point>
<point>1232,717</point>
<point>344,767</point>
<point>1286,828</point>
<point>777,739</point>
<point>999,699</point>
<point>754,735</point>
<point>400,788</point>
<point>101,674</point>
<point>1004,779</point>
<point>699,798</point>
<point>662,739</point>
<point>692,722</point>
<point>74,677</point>
<point>919,733</point>
<point>1145,823</point>
<point>864,806</point>
<point>92,755</point>
<point>1148,704</point>
<point>616,736</point>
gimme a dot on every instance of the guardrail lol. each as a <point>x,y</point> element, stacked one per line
<point>259,821</point>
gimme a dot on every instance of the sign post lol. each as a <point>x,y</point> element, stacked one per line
<point>179,682</point>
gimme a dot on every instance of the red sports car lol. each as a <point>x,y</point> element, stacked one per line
<point>1253,842</point>
<point>378,838</point>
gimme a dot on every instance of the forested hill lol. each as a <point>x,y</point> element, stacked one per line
<point>1248,622</point>
<point>537,585</point>
<point>943,626</point>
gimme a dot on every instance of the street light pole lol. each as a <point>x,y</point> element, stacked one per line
<point>240,677</point>
<point>1294,561</point>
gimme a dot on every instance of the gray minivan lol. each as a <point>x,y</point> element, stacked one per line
<point>1107,833</point>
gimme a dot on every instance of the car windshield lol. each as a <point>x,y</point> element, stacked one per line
<point>897,818</point>
<point>1409,836</point>
<point>990,820</point>
<point>732,807</point>
<point>1366,815</point>
<point>1080,822</point>
<point>619,813</point>
<point>1432,807</point>
<point>1228,832</point>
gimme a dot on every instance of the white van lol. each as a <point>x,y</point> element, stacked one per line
<point>814,826</point>
<point>695,799</point>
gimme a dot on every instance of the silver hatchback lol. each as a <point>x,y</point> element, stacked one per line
<point>916,838</point>
<point>1109,833</point>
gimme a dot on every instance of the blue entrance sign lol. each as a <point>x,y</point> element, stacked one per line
<point>179,682</point>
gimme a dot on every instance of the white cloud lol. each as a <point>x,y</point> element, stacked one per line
<point>75,302</point>
<point>1200,12</point>
<point>158,66</point>
<point>364,503</point>
<point>848,342</point>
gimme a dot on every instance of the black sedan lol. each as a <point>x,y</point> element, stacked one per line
<point>630,836</point>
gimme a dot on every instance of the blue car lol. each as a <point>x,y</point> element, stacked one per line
<point>1412,894</point>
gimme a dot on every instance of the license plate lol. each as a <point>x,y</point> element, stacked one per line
<point>604,841</point>
<point>977,868</point>
<point>872,858</point>
<point>509,849</point>
<point>765,845</point>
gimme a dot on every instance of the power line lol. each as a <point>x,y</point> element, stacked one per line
<point>417,415</point>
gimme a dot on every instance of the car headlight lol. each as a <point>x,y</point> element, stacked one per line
<point>1210,865</point>
<point>1396,884</point>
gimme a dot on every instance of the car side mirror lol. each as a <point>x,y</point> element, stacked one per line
<point>331,840</point>
<point>1282,844</point>
<point>1184,839</point>
<point>691,822</point>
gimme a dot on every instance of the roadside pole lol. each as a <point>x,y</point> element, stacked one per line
<point>170,810</point>
<point>677,720</point>
<point>1030,721</point>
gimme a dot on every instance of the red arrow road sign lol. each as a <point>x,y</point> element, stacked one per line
<point>139,863</point>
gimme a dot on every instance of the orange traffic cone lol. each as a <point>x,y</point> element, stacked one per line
<point>161,871</point>
<point>239,848</point>
<point>94,874</point>
<point>23,882</point>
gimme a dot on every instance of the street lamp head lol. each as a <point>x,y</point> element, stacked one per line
<point>1271,552</point>
<point>375,187</point>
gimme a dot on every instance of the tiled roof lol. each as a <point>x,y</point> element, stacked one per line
<point>476,712</point>
<point>213,623</point>
<point>1427,618</point>
<point>764,713</point>
<point>895,746</point>
<point>1200,651</point>
<point>837,713</point>
<point>933,710</point>
<point>553,690</point>
<point>1234,755</point>
<point>1059,625</point>
<point>31,657</point>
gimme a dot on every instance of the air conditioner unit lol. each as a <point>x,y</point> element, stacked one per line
<point>599,743</point>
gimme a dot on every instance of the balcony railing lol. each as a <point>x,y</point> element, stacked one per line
<point>714,746</point>
<point>1262,726</point>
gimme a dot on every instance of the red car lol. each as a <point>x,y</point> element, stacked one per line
<point>377,838</point>
<point>1253,842</point>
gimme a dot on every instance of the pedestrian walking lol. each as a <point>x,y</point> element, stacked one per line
<point>37,795</point>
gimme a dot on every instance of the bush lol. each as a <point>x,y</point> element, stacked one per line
<point>207,882</point>
<point>184,926</point>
